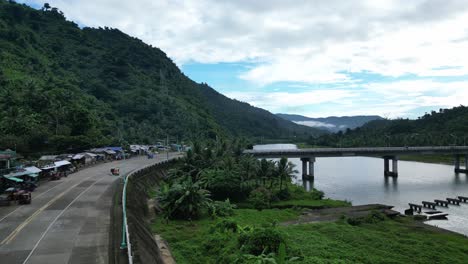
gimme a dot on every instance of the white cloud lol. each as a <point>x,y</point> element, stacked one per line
<point>308,41</point>
<point>277,100</point>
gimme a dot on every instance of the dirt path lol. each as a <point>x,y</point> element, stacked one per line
<point>333,214</point>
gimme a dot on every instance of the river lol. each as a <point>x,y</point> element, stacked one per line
<point>360,180</point>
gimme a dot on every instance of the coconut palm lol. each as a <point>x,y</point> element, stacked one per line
<point>285,171</point>
<point>183,200</point>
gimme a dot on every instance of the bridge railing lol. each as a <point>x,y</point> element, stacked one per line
<point>447,149</point>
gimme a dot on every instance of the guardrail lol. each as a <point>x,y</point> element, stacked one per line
<point>125,234</point>
<point>126,244</point>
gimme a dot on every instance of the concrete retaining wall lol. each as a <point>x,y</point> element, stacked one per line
<point>144,247</point>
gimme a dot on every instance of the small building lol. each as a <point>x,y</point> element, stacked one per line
<point>84,158</point>
<point>28,174</point>
<point>46,160</point>
<point>7,160</point>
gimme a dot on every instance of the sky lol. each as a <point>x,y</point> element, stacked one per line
<point>394,58</point>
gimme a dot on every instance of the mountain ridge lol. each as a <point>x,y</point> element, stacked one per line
<point>63,87</point>
<point>331,123</point>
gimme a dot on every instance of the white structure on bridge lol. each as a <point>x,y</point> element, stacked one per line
<point>308,156</point>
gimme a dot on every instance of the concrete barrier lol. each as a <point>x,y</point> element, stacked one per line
<point>137,237</point>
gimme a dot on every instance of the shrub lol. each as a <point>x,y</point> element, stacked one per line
<point>283,195</point>
<point>227,225</point>
<point>260,240</point>
<point>224,184</point>
<point>222,209</point>
<point>372,218</point>
<point>260,198</point>
<point>183,200</point>
<point>299,193</point>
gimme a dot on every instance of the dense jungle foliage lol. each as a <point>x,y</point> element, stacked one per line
<point>63,87</point>
<point>444,127</point>
<point>221,207</point>
<point>212,176</point>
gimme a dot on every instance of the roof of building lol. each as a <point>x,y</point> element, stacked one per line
<point>48,157</point>
<point>61,163</point>
<point>33,169</point>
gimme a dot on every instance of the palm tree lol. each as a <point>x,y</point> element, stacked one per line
<point>285,171</point>
<point>265,171</point>
<point>249,167</point>
<point>183,200</point>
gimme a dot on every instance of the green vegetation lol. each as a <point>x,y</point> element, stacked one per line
<point>445,127</point>
<point>66,88</point>
<point>251,231</point>
<point>241,235</point>
<point>372,240</point>
<point>442,159</point>
<point>219,172</point>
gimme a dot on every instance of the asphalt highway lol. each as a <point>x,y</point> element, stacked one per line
<point>68,220</point>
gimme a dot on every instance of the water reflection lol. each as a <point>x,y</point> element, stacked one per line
<point>391,184</point>
<point>361,181</point>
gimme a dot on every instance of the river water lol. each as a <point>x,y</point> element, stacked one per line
<point>360,180</point>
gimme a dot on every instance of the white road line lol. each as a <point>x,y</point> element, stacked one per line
<point>39,195</point>
<point>18,229</point>
<point>56,218</point>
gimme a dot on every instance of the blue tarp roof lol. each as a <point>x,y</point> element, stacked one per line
<point>114,148</point>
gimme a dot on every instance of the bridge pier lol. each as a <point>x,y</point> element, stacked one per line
<point>457,164</point>
<point>310,172</point>
<point>394,171</point>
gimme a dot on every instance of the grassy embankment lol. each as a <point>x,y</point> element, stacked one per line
<point>391,241</point>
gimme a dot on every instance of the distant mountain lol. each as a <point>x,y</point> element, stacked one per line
<point>436,128</point>
<point>63,87</point>
<point>332,123</point>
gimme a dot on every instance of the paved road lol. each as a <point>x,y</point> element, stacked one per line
<point>68,220</point>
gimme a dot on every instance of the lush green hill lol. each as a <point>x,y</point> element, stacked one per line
<point>62,87</point>
<point>444,127</point>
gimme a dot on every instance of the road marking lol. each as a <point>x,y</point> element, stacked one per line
<point>39,195</point>
<point>56,218</point>
<point>15,232</point>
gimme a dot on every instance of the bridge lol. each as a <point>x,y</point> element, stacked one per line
<point>308,156</point>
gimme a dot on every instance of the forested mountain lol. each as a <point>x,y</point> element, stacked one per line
<point>442,127</point>
<point>62,87</point>
<point>331,123</point>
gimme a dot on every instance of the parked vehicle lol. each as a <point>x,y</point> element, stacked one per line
<point>4,200</point>
<point>24,198</point>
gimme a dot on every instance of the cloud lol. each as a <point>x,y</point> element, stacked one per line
<point>390,99</point>
<point>308,41</point>
<point>277,100</point>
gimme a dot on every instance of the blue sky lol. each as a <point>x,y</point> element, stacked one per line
<point>393,58</point>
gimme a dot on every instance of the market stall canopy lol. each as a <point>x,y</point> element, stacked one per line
<point>62,163</point>
<point>33,169</point>
<point>48,157</point>
<point>13,179</point>
<point>78,156</point>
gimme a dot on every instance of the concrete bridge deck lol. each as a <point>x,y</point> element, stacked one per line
<point>308,156</point>
<point>365,151</point>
